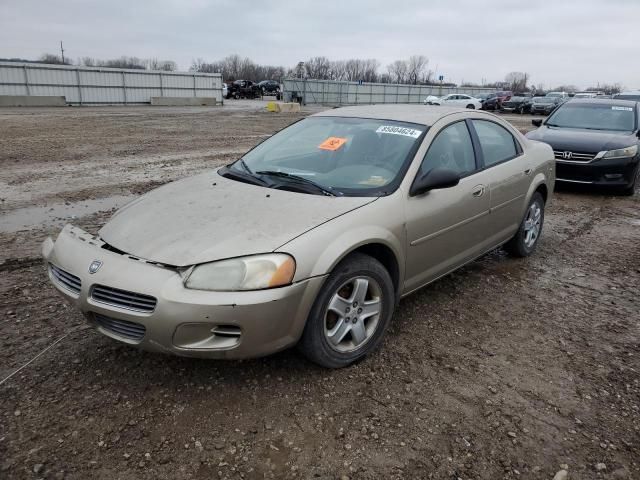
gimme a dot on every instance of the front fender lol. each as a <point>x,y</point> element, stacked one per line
<point>318,251</point>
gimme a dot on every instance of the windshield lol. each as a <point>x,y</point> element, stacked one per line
<point>543,100</point>
<point>554,95</point>
<point>594,116</point>
<point>350,156</point>
<point>517,99</point>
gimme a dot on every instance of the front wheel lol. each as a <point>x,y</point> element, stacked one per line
<point>350,314</point>
<point>526,239</point>
<point>629,191</point>
<point>471,107</point>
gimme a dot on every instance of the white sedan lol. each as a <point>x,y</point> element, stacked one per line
<point>455,100</point>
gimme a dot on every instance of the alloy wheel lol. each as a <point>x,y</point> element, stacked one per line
<point>353,313</point>
<point>532,224</point>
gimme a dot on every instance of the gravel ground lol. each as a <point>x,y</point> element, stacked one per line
<point>505,369</point>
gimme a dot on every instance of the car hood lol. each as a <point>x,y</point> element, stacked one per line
<point>580,140</point>
<point>209,217</point>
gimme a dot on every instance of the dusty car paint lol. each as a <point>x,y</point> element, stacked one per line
<point>208,217</point>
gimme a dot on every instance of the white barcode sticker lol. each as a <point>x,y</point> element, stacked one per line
<point>624,109</point>
<point>407,132</point>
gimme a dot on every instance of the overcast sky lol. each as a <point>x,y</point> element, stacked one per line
<point>578,42</point>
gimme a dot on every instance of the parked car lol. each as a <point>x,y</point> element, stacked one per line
<point>544,105</point>
<point>495,102</point>
<point>269,87</point>
<point>595,142</point>
<point>630,95</point>
<point>585,95</point>
<point>563,96</point>
<point>243,89</point>
<point>518,104</point>
<point>312,237</point>
<point>457,100</point>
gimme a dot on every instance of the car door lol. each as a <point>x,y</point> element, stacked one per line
<point>510,174</point>
<point>463,100</point>
<point>449,99</point>
<point>447,227</point>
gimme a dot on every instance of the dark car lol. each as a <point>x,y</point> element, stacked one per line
<point>495,102</point>
<point>243,89</point>
<point>517,104</point>
<point>269,87</point>
<point>484,96</point>
<point>544,105</point>
<point>631,95</point>
<point>595,142</point>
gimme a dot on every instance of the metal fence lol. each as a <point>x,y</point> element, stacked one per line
<point>331,92</point>
<point>95,85</point>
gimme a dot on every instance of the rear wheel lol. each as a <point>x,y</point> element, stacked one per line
<point>526,239</point>
<point>471,107</point>
<point>350,314</point>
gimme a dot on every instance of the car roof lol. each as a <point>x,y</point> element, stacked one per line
<point>421,114</point>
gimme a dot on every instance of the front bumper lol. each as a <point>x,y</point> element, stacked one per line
<point>183,322</point>
<point>618,173</point>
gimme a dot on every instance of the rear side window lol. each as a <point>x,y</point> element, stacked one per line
<point>496,142</point>
<point>451,149</point>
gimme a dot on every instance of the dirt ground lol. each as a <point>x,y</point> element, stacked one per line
<point>505,369</point>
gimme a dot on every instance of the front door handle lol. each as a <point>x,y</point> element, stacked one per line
<point>528,171</point>
<point>478,191</point>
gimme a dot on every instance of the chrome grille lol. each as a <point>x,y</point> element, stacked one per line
<point>121,328</point>
<point>575,156</point>
<point>66,280</point>
<point>123,298</point>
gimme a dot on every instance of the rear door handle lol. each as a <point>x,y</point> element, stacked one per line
<point>528,171</point>
<point>478,191</point>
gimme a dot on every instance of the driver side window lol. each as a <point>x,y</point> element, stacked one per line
<point>452,149</point>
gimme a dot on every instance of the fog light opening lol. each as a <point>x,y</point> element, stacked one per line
<point>613,176</point>
<point>226,331</point>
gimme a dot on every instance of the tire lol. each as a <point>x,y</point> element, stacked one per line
<point>522,245</point>
<point>471,107</point>
<point>344,288</point>
<point>629,191</point>
<point>236,95</point>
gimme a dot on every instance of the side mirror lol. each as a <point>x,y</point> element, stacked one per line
<point>537,122</point>
<point>434,179</point>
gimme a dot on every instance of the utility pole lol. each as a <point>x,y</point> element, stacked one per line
<point>62,51</point>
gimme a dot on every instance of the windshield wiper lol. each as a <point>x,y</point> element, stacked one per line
<point>300,179</point>
<point>247,176</point>
<point>244,165</point>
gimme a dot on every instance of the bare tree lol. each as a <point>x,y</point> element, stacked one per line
<point>607,89</point>
<point>165,65</point>
<point>53,59</point>
<point>398,71</point>
<point>566,88</point>
<point>517,81</point>
<point>318,67</point>
<point>416,68</point>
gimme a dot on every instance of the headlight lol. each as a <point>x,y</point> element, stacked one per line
<point>256,272</point>
<point>622,152</point>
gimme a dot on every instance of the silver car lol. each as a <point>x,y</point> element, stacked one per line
<point>312,237</point>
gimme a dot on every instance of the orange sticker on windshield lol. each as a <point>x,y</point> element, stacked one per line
<point>332,143</point>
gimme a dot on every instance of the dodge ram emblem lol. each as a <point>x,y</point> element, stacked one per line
<point>95,266</point>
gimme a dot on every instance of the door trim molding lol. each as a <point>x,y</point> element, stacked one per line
<point>420,240</point>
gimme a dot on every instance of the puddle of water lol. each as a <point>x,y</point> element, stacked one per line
<point>57,214</point>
